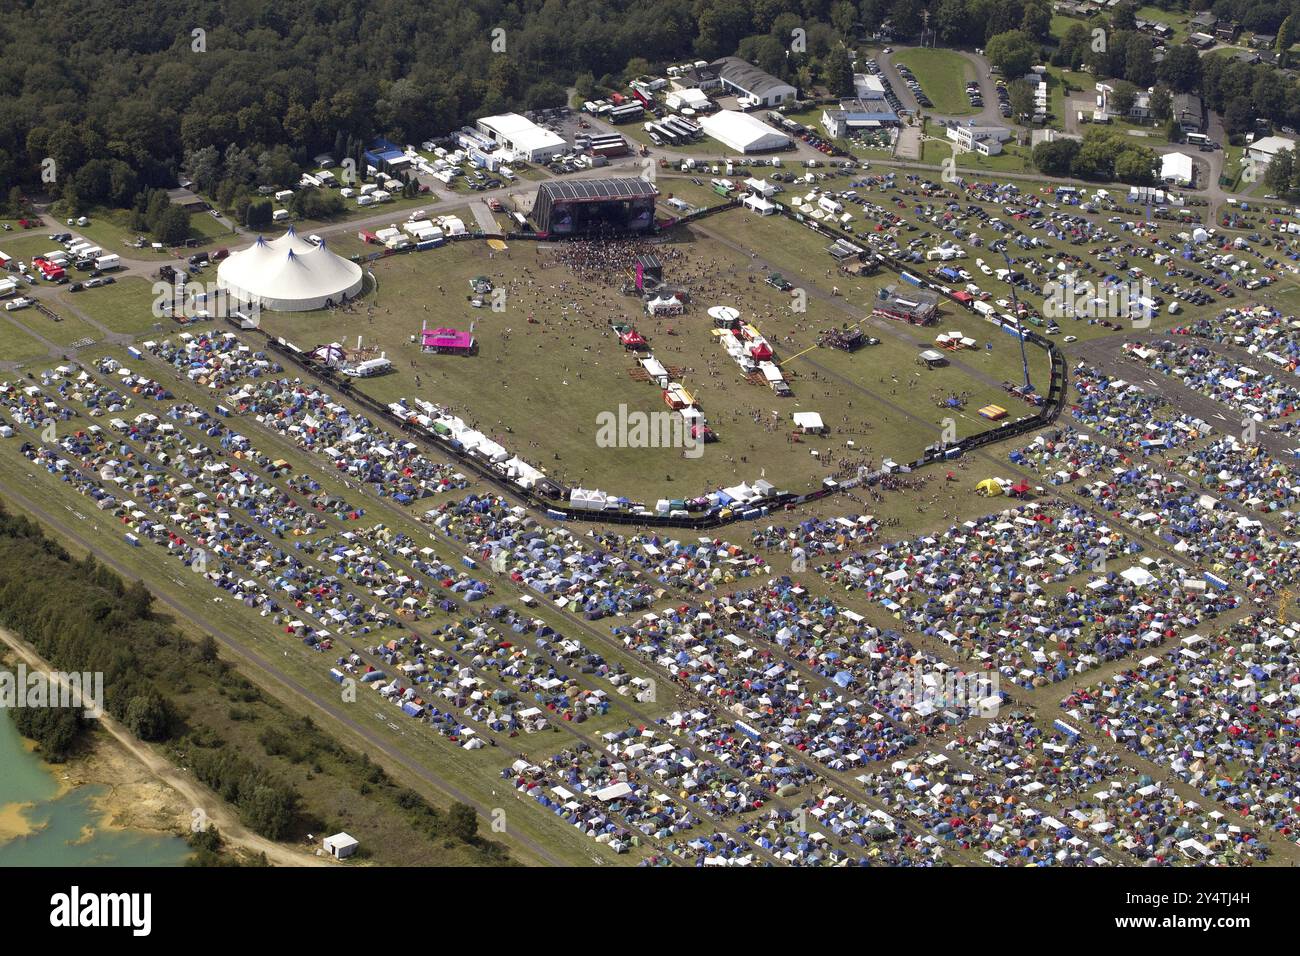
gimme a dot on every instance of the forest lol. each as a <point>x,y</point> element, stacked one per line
<point>97,111</point>
<point>249,90</point>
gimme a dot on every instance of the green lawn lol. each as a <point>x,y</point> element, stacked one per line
<point>111,229</point>
<point>1177,21</point>
<point>16,345</point>
<point>547,366</point>
<point>943,75</point>
<point>124,306</point>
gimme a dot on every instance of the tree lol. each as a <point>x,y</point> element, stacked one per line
<point>55,729</point>
<point>259,213</point>
<point>1074,46</point>
<point>1122,97</point>
<point>585,84</point>
<point>905,15</point>
<point>1012,52</point>
<point>719,27</point>
<point>148,717</point>
<point>764,51</point>
<point>173,226</point>
<point>544,94</point>
<point>1055,157</point>
<point>1180,69</point>
<point>1021,97</point>
<point>1134,168</point>
<point>267,808</point>
<point>1280,175</point>
<point>637,66</point>
<point>843,18</point>
<point>1285,38</point>
<point>1139,60</point>
<point>837,72</point>
<point>1037,22</point>
<point>1161,103</point>
<point>952,22</point>
<point>1238,115</point>
<point>462,822</point>
<point>1123,17</point>
<point>208,651</point>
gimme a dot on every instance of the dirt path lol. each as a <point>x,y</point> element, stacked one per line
<point>194,793</point>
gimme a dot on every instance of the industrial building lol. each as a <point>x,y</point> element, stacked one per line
<point>1264,149</point>
<point>744,133</point>
<point>983,140</point>
<point>1189,110</point>
<point>747,80</point>
<point>860,113</point>
<point>523,137</point>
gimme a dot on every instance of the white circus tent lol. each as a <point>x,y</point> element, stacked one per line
<point>289,274</point>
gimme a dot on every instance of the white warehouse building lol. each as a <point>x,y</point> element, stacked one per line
<point>523,137</point>
<point>743,133</point>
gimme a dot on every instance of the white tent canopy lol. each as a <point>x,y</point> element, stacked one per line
<point>808,421</point>
<point>289,274</point>
<point>743,133</point>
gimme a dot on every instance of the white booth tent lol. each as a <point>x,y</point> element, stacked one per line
<point>288,274</point>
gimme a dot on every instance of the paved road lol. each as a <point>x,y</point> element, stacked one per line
<point>1107,354</point>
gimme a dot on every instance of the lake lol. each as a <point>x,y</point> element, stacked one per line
<point>64,829</point>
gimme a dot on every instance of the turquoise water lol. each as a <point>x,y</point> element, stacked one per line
<point>61,822</point>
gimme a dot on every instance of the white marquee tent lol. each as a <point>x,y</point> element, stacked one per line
<point>743,133</point>
<point>289,274</point>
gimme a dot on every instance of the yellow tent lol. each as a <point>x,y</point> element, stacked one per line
<point>989,487</point>
<point>497,245</point>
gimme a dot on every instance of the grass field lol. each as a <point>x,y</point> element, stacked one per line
<point>16,343</point>
<point>110,229</point>
<point>124,306</point>
<point>943,75</point>
<point>548,365</point>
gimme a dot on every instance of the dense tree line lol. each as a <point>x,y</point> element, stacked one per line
<point>245,94</point>
<point>1103,154</point>
<point>80,616</point>
<point>56,730</point>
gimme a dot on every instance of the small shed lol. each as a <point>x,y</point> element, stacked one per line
<point>341,845</point>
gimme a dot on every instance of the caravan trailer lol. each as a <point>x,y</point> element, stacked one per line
<point>368,368</point>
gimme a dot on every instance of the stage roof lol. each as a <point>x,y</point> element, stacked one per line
<point>598,189</point>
